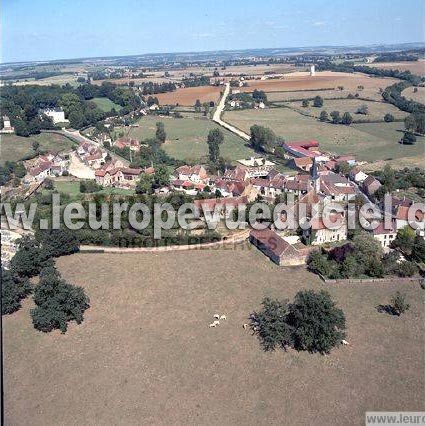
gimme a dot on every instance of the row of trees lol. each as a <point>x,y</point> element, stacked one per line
<point>336,118</point>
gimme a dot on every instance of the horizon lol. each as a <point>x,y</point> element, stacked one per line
<point>82,31</point>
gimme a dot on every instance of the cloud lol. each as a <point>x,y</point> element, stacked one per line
<point>319,23</point>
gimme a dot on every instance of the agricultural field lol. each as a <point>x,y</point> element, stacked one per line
<point>415,67</point>
<point>105,104</point>
<point>187,137</point>
<point>144,352</point>
<point>418,96</point>
<point>322,80</point>
<point>57,79</point>
<point>376,110</point>
<point>15,148</point>
<point>188,95</point>
<point>368,142</point>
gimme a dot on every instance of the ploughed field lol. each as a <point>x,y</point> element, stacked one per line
<point>145,354</point>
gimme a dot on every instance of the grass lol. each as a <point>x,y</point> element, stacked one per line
<point>145,354</point>
<point>369,142</point>
<point>376,110</point>
<point>15,148</point>
<point>186,138</point>
<point>105,104</point>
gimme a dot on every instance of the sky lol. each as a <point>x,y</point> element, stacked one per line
<point>62,29</point>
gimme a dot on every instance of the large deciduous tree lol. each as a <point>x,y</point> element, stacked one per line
<point>214,140</point>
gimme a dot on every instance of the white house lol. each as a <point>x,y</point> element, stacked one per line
<point>357,175</point>
<point>7,128</point>
<point>56,114</point>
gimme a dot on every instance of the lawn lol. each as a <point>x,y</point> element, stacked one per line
<point>145,354</point>
<point>15,148</point>
<point>186,138</point>
<point>105,104</point>
<point>369,142</point>
<point>376,110</point>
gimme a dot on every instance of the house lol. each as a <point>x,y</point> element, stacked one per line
<point>239,173</point>
<point>194,174</point>
<point>277,249</point>
<point>271,186</point>
<point>357,175</point>
<point>417,216</point>
<point>383,235</point>
<point>123,176</point>
<point>335,229</point>
<point>349,159</point>
<point>371,185</point>
<point>131,143</point>
<point>38,173</point>
<point>56,114</point>
<point>256,167</point>
<point>302,163</point>
<point>7,128</point>
<point>223,206</point>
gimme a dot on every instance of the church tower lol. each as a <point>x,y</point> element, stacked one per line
<point>314,177</point>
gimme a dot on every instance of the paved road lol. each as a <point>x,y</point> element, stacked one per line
<point>219,110</point>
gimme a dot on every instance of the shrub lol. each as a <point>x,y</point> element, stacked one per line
<point>305,103</point>
<point>406,269</point>
<point>58,242</point>
<point>318,102</point>
<point>388,118</point>
<point>399,303</point>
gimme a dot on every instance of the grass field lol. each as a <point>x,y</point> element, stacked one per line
<point>14,148</point>
<point>369,142</point>
<point>186,137</point>
<point>105,104</point>
<point>376,110</point>
<point>188,95</point>
<point>419,96</point>
<point>145,354</point>
<point>415,67</point>
<point>72,188</point>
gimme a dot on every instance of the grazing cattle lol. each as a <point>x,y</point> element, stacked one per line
<point>217,316</point>
<point>344,342</point>
<point>223,317</point>
<point>245,326</point>
<point>216,322</point>
<point>212,325</point>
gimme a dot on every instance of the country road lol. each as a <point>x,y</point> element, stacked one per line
<point>219,110</point>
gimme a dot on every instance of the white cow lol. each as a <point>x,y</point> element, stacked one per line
<point>212,325</point>
<point>216,316</point>
<point>223,317</point>
<point>344,342</point>
<point>216,322</point>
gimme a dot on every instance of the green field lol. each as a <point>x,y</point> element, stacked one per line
<point>105,104</point>
<point>376,110</point>
<point>186,138</point>
<point>368,142</point>
<point>15,148</point>
<point>72,188</point>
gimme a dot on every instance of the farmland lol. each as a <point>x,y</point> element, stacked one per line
<point>14,148</point>
<point>418,96</point>
<point>186,137</point>
<point>415,67</point>
<point>368,142</point>
<point>376,110</point>
<point>188,95</point>
<point>145,351</point>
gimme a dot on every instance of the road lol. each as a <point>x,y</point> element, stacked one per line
<point>219,110</point>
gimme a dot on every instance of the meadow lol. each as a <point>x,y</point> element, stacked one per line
<point>15,148</point>
<point>368,142</point>
<point>105,104</point>
<point>187,137</point>
<point>376,110</point>
<point>145,354</point>
<point>415,67</point>
<point>418,96</point>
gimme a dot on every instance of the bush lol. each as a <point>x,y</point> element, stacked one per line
<point>408,139</point>
<point>305,103</point>
<point>318,102</point>
<point>406,269</point>
<point>399,304</point>
<point>318,324</point>
<point>388,118</point>
<point>57,303</point>
<point>13,290</point>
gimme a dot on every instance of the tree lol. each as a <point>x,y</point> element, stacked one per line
<point>408,139</point>
<point>346,118</point>
<point>406,268</point>
<point>318,263</point>
<point>30,258</point>
<point>324,116</point>
<point>317,323</point>
<point>399,304</point>
<point>305,103</point>
<point>388,118</point>
<point>363,109</point>
<point>35,146</point>
<point>335,117</point>
<point>13,291</point>
<point>259,96</point>
<point>214,140</point>
<point>404,240</point>
<point>57,303</point>
<point>198,105</point>
<point>261,137</point>
<point>410,123</point>
<point>418,249</point>
<point>58,242</point>
<point>144,185</point>
<point>271,324</point>
<point>388,178</point>
<point>161,177</point>
<point>160,132</point>
<point>318,102</point>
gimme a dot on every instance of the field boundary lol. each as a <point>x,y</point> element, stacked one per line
<point>367,280</point>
